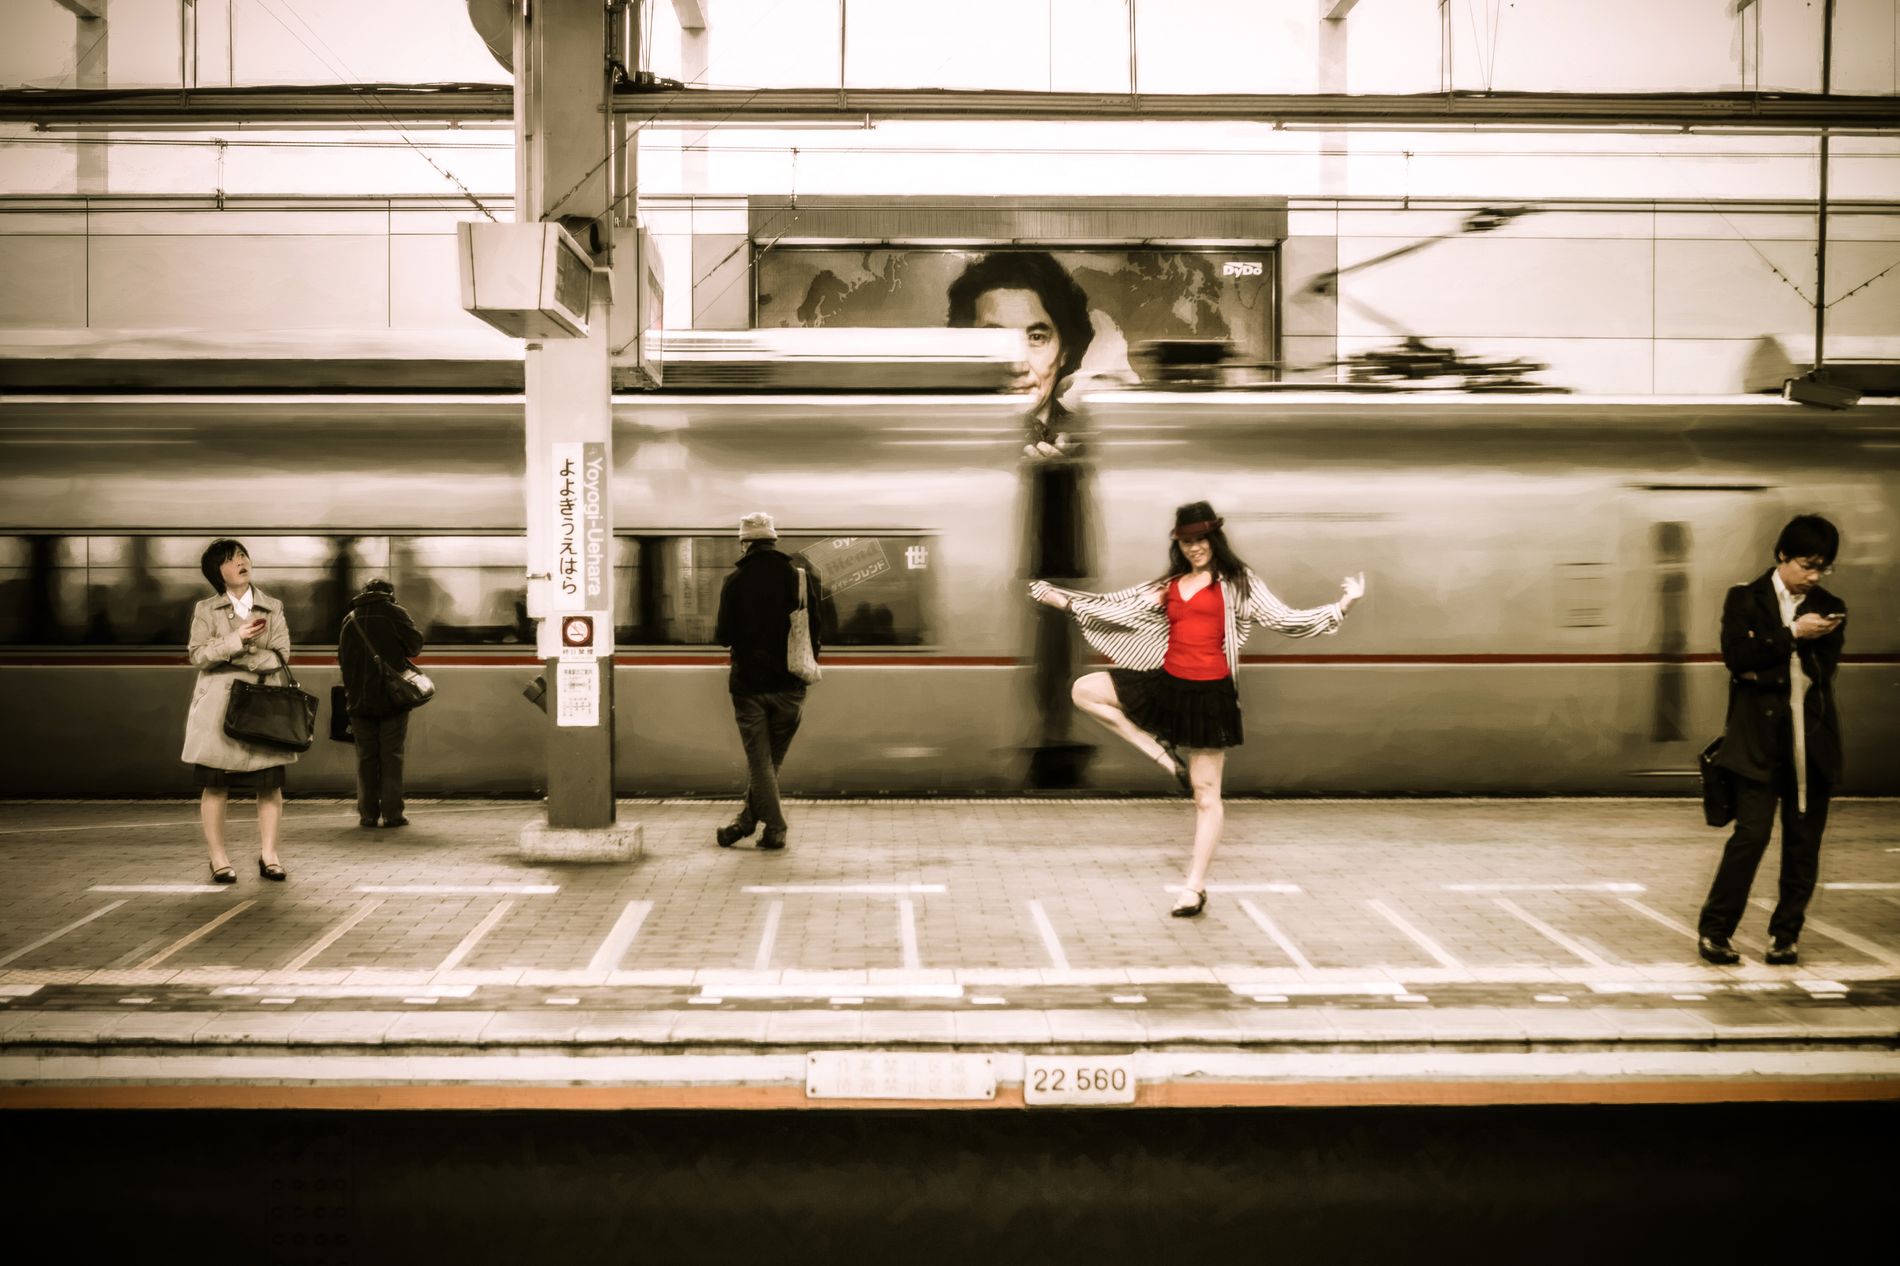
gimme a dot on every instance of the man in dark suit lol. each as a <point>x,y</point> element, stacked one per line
<point>1781,640</point>
<point>768,700</point>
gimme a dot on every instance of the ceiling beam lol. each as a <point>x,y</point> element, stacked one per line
<point>691,14</point>
<point>386,105</point>
<point>85,10</point>
<point>1340,9</point>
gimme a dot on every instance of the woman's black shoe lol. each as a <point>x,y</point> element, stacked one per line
<point>270,870</point>
<point>1188,912</point>
<point>223,875</point>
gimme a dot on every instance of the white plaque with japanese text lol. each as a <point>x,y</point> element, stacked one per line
<point>577,692</point>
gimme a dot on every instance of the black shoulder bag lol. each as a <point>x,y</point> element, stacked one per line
<point>272,716</point>
<point>1718,788</point>
<point>408,688</point>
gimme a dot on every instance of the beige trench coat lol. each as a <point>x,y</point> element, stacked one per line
<point>217,650</point>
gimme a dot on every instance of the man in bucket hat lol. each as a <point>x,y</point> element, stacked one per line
<point>755,614</point>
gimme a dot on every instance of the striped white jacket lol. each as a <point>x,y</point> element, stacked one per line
<point>1130,626</point>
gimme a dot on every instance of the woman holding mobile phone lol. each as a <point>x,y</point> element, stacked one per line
<point>239,630</point>
<point>1176,644</point>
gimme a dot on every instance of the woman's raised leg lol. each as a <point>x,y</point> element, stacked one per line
<point>1094,693</point>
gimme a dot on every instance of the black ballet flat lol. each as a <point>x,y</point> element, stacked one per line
<point>269,870</point>
<point>1188,912</point>
<point>223,875</point>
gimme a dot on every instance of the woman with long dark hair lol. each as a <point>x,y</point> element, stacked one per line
<point>1176,644</point>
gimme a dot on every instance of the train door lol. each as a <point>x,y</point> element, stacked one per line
<point>1683,545</point>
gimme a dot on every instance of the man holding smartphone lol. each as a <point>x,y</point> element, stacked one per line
<point>1781,641</point>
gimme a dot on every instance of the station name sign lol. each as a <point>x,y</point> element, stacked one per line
<point>581,529</point>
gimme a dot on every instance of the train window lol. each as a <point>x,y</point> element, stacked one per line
<point>463,589</point>
<point>876,588</point>
<point>22,606</point>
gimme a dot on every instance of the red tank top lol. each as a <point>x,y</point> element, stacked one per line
<point>1196,633</point>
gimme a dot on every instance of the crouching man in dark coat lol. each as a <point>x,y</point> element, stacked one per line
<point>1781,641</point>
<point>755,616</point>
<point>377,627</point>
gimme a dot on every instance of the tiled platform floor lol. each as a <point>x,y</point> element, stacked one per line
<point>1360,943</point>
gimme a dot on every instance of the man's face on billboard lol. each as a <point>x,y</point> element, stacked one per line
<point>1023,310</point>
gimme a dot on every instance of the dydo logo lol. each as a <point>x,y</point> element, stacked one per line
<point>1242,268</point>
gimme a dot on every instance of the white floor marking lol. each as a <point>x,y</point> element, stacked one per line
<point>1410,997</point>
<point>1269,997</point>
<point>1851,887</point>
<point>10,992</point>
<point>189,937</point>
<point>318,990</point>
<point>334,935</point>
<point>831,989</point>
<point>1821,986</point>
<point>1322,988</point>
<point>1833,933</point>
<point>420,1002</point>
<point>907,932</point>
<point>762,961</point>
<point>275,1002</point>
<point>988,1000</point>
<point>100,826</point>
<point>1418,938</point>
<point>1051,943</point>
<point>1690,997</point>
<point>705,1001</point>
<point>160,888</point>
<point>475,889</point>
<point>1543,887</point>
<point>846,1002</point>
<point>1748,943</point>
<point>135,1002</point>
<point>1128,999</point>
<point>1553,997</point>
<point>1266,925</point>
<point>620,938</point>
<point>52,936</point>
<point>867,890</point>
<point>561,1002</point>
<point>475,935</point>
<point>1576,947</point>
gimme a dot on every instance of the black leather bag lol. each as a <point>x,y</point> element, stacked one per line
<point>1718,787</point>
<point>408,688</point>
<point>283,717</point>
<point>340,731</point>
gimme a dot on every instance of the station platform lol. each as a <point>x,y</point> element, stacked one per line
<point>934,953</point>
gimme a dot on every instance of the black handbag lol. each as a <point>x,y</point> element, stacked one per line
<point>340,731</point>
<point>1718,787</point>
<point>272,716</point>
<point>408,689</point>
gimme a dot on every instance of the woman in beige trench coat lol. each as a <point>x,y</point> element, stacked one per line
<point>241,630</point>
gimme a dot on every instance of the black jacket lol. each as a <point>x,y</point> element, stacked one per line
<point>1755,647</point>
<point>755,616</point>
<point>388,628</point>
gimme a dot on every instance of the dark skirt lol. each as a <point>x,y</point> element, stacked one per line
<point>269,778</point>
<point>1178,711</point>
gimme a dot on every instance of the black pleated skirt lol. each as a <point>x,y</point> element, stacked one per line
<point>269,778</point>
<point>1178,711</point>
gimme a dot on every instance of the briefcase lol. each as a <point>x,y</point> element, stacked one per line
<point>283,717</point>
<point>1718,787</point>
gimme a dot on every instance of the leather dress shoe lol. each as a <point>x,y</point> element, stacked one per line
<point>771,840</point>
<point>389,822</point>
<point>1783,953</point>
<point>1717,950</point>
<point>730,834</point>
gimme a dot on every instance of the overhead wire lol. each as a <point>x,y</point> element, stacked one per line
<point>348,78</point>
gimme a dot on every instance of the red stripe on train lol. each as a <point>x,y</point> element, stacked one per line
<point>159,659</point>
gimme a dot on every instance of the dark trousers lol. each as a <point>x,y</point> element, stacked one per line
<point>379,764</point>
<point>1800,855</point>
<point>767,723</point>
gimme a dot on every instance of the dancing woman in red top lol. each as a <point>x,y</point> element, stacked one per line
<point>1176,646</point>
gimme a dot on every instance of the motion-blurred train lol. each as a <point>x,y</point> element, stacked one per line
<point>1545,573</point>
